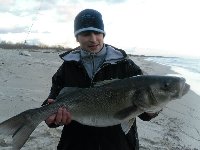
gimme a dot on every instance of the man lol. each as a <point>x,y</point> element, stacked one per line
<point>93,61</point>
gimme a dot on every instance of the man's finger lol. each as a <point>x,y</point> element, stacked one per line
<point>50,119</point>
<point>68,118</point>
<point>59,116</point>
<point>64,116</point>
<point>50,101</point>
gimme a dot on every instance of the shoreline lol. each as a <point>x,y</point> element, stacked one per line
<point>151,67</point>
<point>26,81</point>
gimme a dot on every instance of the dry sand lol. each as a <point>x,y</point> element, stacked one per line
<point>25,82</point>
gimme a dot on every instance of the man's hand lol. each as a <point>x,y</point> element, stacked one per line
<point>62,117</point>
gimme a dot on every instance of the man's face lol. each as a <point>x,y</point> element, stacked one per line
<point>91,41</point>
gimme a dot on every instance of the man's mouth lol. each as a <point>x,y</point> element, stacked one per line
<point>93,45</point>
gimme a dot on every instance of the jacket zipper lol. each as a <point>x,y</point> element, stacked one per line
<point>94,73</point>
<point>104,64</point>
<point>93,67</point>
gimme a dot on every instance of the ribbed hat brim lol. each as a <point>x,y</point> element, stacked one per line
<point>89,29</point>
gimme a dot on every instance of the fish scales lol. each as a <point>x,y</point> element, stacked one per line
<point>107,103</point>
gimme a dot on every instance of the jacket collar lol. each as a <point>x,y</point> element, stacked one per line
<point>87,55</point>
<point>113,55</point>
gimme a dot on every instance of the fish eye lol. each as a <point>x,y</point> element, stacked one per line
<point>166,85</point>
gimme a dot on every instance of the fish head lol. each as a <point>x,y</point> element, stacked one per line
<point>159,90</point>
<point>169,87</point>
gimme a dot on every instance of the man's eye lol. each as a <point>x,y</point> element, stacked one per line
<point>96,32</point>
<point>85,34</point>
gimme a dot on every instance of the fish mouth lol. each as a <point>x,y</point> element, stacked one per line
<point>184,90</point>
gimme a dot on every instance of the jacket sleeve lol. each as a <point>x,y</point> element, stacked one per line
<point>146,117</point>
<point>57,84</point>
<point>133,69</point>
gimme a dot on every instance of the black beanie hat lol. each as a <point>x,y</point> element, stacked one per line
<point>88,20</point>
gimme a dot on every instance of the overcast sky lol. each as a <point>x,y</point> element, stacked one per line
<point>150,27</point>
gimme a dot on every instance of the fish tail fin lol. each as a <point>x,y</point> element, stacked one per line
<point>20,127</point>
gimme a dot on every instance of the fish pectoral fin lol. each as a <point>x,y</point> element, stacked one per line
<point>126,126</point>
<point>126,112</point>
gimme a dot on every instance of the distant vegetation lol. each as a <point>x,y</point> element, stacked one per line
<point>10,45</point>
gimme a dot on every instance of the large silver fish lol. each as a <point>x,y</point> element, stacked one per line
<point>107,103</point>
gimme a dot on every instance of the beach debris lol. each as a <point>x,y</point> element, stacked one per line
<point>107,103</point>
<point>24,53</point>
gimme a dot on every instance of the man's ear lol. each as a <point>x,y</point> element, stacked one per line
<point>77,39</point>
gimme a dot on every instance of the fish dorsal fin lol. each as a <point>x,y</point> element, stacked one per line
<point>101,83</point>
<point>65,91</point>
<point>68,90</point>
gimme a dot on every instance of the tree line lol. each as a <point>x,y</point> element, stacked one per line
<point>10,45</point>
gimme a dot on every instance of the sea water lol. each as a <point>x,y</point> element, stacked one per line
<point>189,68</point>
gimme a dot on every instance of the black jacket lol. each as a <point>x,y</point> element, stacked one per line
<point>72,73</point>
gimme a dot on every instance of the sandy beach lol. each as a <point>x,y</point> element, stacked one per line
<point>177,127</point>
<point>25,81</point>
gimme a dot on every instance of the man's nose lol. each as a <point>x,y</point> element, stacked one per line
<point>93,37</point>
